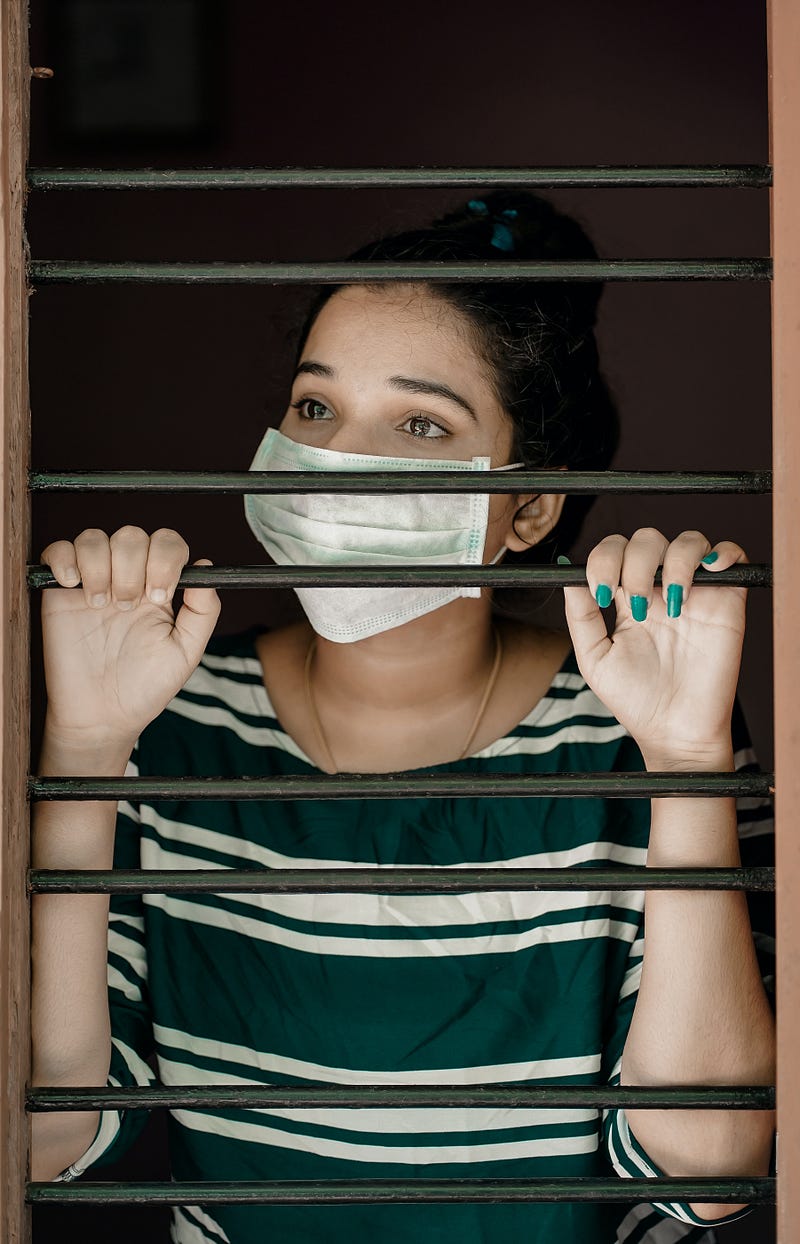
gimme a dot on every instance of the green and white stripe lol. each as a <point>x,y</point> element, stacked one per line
<point>506,987</point>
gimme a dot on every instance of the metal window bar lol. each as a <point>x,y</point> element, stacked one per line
<point>388,786</point>
<point>49,271</point>
<point>753,176</point>
<point>578,482</point>
<point>404,1192</point>
<point>784,44</point>
<point>393,880</point>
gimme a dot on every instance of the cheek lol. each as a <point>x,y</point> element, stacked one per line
<point>502,509</point>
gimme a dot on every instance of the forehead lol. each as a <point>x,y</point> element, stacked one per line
<point>395,327</point>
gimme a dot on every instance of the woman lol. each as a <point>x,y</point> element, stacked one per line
<point>464,989</point>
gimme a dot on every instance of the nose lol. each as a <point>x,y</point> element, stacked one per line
<point>359,436</point>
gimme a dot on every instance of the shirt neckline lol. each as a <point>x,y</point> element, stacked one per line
<point>264,704</point>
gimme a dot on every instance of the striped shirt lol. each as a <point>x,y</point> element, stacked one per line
<point>464,989</point>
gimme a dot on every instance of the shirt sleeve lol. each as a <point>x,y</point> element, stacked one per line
<point>755,823</point>
<point>131,1027</point>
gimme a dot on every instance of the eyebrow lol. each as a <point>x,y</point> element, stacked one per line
<point>406,384</point>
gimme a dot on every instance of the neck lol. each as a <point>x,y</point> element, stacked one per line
<point>430,662</point>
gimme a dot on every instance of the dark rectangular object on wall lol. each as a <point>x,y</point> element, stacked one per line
<point>134,72</point>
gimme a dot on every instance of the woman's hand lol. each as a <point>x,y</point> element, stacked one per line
<point>670,681</point>
<point>114,653</point>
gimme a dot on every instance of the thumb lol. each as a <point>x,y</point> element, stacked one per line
<point>197,616</point>
<point>586,626</point>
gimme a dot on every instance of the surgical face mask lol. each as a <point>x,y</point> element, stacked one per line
<point>384,529</point>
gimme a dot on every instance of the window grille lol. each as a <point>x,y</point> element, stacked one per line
<point>784,177</point>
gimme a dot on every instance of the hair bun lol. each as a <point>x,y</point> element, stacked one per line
<point>537,231</point>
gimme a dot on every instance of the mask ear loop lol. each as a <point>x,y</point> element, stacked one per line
<point>511,466</point>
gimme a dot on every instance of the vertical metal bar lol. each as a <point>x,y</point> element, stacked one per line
<point>784,57</point>
<point>14,659</point>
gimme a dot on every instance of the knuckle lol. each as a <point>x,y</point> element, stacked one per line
<point>91,535</point>
<point>168,536</point>
<point>56,550</point>
<point>128,533</point>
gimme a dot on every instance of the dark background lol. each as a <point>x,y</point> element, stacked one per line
<point>188,378</point>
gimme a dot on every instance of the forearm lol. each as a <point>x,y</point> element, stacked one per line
<point>71,1041</point>
<point>701,1016</point>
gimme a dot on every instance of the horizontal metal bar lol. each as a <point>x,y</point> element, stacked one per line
<point>752,176</point>
<point>391,880</point>
<point>753,1191</point>
<point>754,574</point>
<point>374,1097</point>
<point>49,271</point>
<point>624,785</point>
<point>579,482</point>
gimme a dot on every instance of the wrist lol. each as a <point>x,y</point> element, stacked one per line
<point>709,757</point>
<point>82,752</point>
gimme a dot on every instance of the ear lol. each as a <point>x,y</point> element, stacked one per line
<point>536,521</point>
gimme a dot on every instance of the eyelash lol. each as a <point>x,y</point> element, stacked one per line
<point>304,401</point>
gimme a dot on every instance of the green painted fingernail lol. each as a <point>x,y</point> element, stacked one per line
<point>710,557</point>
<point>603,595</point>
<point>674,600</point>
<point>563,561</point>
<point>639,608</point>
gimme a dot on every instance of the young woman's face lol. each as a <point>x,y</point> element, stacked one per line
<point>393,372</point>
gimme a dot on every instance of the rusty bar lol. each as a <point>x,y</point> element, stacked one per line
<point>783,25</point>
<point>14,644</point>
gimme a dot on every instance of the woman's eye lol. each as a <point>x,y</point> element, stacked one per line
<point>314,408</point>
<point>423,427</point>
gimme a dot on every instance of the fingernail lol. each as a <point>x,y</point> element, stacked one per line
<point>158,595</point>
<point>563,561</point>
<point>674,600</point>
<point>125,605</point>
<point>603,595</point>
<point>99,600</point>
<point>639,608</point>
<point>710,557</point>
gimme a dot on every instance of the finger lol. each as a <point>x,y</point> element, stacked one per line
<point>129,547</point>
<point>604,568</point>
<point>167,555</point>
<point>643,555</point>
<point>724,554</point>
<point>197,617</point>
<point>681,560</point>
<point>93,555</point>
<point>60,557</point>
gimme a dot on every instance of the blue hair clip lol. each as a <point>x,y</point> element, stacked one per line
<point>502,237</point>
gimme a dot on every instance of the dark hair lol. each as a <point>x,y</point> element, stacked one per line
<point>537,337</point>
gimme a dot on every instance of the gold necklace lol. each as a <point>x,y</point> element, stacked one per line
<point>317,724</point>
